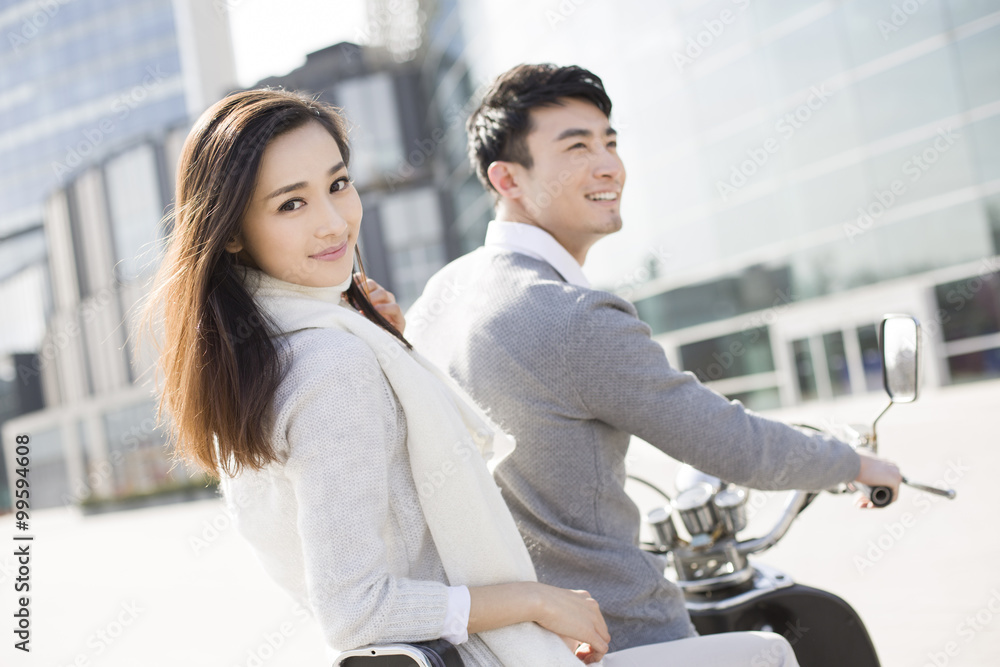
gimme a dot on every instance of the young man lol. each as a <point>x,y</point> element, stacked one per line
<point>572,373</point>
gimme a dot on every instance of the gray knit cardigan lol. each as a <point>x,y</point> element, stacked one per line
<point>572,373</point>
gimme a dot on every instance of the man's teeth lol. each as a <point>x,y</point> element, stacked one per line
<point>603,196</point>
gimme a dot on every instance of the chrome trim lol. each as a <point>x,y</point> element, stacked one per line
<point>792,507</point>
<point>715,583</point>
<point>765,580</point>
<point>382,650</point>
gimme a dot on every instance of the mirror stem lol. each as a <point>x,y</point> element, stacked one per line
<point>874,443</point>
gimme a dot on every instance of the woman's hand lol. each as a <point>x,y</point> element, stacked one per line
<point>573,615</point>
<point>576,617</point>
<point>384,302</point>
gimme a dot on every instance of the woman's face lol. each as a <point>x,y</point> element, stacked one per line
<point>304,215</point>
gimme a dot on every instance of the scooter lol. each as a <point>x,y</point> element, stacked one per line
<point>724,590</point>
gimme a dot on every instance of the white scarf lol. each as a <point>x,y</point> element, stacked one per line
<point>473,530</point>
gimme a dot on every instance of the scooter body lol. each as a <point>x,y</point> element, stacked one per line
<point>726,592</point>
<point>822,628</point>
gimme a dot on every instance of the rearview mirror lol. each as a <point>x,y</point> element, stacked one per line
<point>900,339</point>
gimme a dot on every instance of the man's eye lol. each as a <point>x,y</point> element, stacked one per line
<point>612,144</point>
<point>286,206</point>
<point>578,145</point>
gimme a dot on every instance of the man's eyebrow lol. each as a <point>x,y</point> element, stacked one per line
<point>580,132</point>
<point>301,184</point>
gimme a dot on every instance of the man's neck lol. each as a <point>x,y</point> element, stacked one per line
<point>505,213</point>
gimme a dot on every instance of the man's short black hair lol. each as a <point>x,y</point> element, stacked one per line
<point>499,127</point>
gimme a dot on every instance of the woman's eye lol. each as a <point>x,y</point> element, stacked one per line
<point>286,206</point>
<point>340,184</point>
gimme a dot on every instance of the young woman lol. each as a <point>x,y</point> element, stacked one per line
<point>353,467</point>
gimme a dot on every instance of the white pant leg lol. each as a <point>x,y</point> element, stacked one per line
<point>728,649</point>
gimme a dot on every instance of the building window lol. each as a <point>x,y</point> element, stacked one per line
<point>827,366</point>
<point>376,138</point>
<point>413,234</point>
<point>836,363</point>
<point>981,365</point>
<point>805,372</point>
<point>871,357</point>
<point>729,356</point>
<point>969,317</point>
<point>969,307</point>
<point>134,201</point>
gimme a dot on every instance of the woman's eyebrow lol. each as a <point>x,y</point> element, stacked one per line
<point>301,184</point>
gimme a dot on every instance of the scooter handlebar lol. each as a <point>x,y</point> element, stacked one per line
<point>879,496</point>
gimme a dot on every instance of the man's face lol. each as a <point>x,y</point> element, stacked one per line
<point>574,186</point>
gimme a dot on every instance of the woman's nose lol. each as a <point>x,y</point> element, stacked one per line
<point>332,222</point>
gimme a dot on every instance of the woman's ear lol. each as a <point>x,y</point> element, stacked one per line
<point>235,245</point>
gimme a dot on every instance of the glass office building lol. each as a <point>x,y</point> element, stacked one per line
<point>795,170</point>
<point>89,92</point>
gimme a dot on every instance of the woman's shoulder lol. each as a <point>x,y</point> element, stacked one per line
<point>332,362</point>
<point>332,381</point>
<point>327,347</point>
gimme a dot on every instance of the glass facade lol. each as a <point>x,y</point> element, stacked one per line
<point>71,91</point>
<point>77,80</point>
<point>885,138</point>
<point>795,152</point>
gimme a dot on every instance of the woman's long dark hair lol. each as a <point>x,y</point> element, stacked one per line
<point>220,366</point>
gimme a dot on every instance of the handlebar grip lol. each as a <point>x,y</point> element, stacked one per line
<point>880,496</point>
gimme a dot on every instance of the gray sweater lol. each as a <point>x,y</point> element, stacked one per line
<point>571,373</point>
<point>336,520</point>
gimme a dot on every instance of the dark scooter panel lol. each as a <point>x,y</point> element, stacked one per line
<point>823,630</point>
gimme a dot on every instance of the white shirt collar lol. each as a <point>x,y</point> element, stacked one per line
<point>535,242</point>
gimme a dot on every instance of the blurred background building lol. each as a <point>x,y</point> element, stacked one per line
<point>82,389</point>
<point>88,94</point>
<point>796,169</point>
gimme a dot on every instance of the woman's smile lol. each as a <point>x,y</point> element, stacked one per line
<point>332,253</point>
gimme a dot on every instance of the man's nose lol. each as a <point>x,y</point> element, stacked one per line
<point>609,165</point>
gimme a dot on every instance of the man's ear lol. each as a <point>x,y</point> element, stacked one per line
<point>504,178</point>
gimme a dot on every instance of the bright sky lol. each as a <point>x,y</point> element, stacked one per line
<point>273,38</point>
